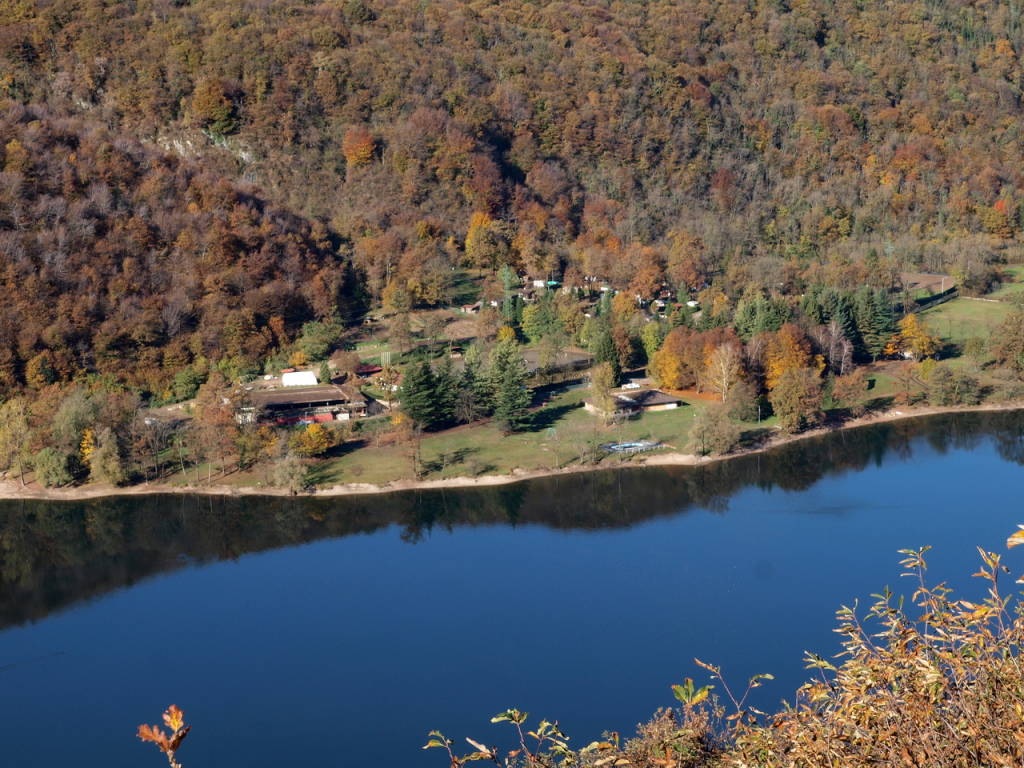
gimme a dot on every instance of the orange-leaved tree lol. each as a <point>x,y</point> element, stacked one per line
<point>174,719</point>
<point>358,145</point>
<point>787,349</point>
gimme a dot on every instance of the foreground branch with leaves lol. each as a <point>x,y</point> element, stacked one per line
<point>938,684</point>
<point>174,719</point>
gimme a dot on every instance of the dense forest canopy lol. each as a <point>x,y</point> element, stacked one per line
<point>739,143</point>
<point>760,129</point>
<point>124,261</point>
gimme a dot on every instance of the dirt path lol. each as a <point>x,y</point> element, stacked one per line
<point>12,489</point>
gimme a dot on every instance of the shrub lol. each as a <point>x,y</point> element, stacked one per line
<point>850,390</point>
<point>106,464</point>
<point>51,468</point>
<point>713,431</point>
<point>953,386</point>
<point>743,402</point>
<point>291,473</point>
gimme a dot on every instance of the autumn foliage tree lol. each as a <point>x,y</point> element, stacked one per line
<point>602,381</point>
<point>14,436</point>
<point>713,431</point>
<point>787,349</point>
<point>731,153</point>
<point>313,440</point>
<point>215,427</point>
<point>358,146</point>
<point>106,461</point>
<point>672,365</point>
<point>850,391</point>
<point>913,339</point>
<point>813,168</point>
<point>724,369</point>
<point>1008,342</point>
<point>213,109</point>
<point>167,743</point>
<point>797,399</point>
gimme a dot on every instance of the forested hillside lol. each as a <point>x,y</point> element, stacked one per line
<point>628,140</point>
<point>764,149</point>
<point>125,262</point>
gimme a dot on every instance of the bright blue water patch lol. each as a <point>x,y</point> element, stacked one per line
<point>345,651</point>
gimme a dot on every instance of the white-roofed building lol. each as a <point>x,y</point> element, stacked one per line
<point>299,379</point>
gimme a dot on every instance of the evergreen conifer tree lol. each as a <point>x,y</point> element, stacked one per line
<point>476,395</point>
<point>446,391</point>
<point>874,321</point>
<point>602,349</point>
<point>770,315</point>
<point>811,305</point>
<point>840,308</point>
<point>511,400</point>
<point>885,319</point>
<point>507,377</point>
<point>681,315</point>
<point>883,324</point>
<point>469,406</point>
<point>745,318</point>
<point>419,395</point>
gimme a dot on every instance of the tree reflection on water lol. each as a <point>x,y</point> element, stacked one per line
<point>53,554</point>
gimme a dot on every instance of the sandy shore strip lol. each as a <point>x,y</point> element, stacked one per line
<point>12,489</point>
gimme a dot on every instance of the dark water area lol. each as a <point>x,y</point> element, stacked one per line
<point>337,632</point>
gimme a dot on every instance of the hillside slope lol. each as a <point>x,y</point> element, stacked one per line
<point>122,261</point>
<point>761,137</point>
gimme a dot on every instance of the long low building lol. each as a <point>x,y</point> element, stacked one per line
<point>624,404</point>
<point>304,405</point>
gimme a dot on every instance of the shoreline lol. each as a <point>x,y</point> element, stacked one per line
<point>11,490</point>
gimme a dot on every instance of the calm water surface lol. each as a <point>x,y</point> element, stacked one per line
<point>337,632</point>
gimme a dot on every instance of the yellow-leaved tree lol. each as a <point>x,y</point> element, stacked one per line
<point>914,338</point>
<point>87,447</point>
<point>312,441</point>
<point>787,349</point>
<point>484,245</point>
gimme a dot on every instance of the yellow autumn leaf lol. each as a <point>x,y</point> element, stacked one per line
<point>174,718</point>
<point>1016,539</point>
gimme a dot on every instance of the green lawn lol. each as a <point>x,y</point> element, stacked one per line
<point>958,320</point>
<point>1013,287</point>
<point>371,351</point>
<point>465,288</point>
<point>885,386</point>
<point>562,433</point>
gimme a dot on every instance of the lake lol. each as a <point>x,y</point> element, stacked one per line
<point>337,632</point>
